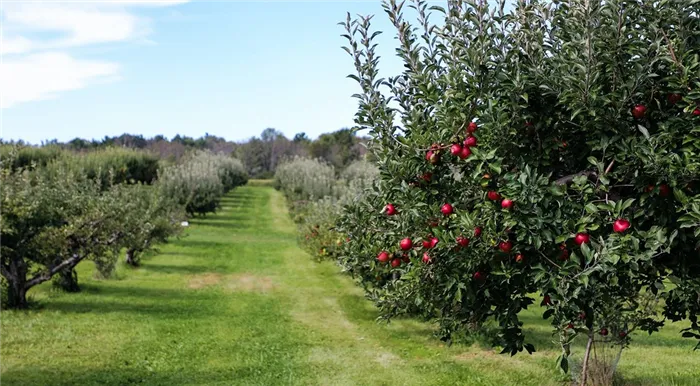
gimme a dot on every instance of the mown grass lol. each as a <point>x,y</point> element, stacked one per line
<point>236,301</point>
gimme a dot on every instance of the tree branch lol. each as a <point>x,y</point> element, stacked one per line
<point>68,263</point>
<point>46,275</point>
<point>567,179</point>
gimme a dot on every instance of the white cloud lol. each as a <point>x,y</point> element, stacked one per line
<point>15,45</point>
<point>41,76</point>
<point>39,68</point>
<point>76,25</point>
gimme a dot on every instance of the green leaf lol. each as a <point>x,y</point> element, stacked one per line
<point>563,363</point>
<point>644,131</point>
<point>591,208</point>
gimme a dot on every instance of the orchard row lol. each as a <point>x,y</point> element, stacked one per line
<point>61,208</point>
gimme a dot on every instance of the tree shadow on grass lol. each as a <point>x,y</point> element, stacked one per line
<point>126,373</point>
<point>193,247</point>
<point>141,292</point>
<point>232,223</point>
<point>183,269</point>
<point>161,303</point>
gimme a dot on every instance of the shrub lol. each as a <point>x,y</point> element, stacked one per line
<point>110,166</point>
<point>199,182</point>
<point>302,179</point>
<point>125,165</point>
<point>584,116</point>
<point>24,157</point>
<point>231,171</point>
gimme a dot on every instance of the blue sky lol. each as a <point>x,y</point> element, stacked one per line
<point>231,69</point>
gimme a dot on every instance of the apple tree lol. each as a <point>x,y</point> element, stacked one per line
<point>552,149</point>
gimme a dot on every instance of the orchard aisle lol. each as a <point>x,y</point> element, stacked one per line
<point>236,302</point>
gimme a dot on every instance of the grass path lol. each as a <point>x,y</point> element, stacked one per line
<point>236,302</point>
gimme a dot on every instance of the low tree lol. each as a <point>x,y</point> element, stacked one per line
<point>50,223</point>
<point>157,219</point>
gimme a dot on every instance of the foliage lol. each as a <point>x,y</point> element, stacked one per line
<point>53,221</point>
<point>110,166</point>
<point>338,148</point>
<point>552,92</point>
<point>23,157</point>
<point>305,179</point>
<point>71,210</point>
<point>316,199</point>
<point>361,171</point>
<point>157,217</point>
<point>199,182</point>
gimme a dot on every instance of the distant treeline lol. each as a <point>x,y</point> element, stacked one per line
<point>260,155</point>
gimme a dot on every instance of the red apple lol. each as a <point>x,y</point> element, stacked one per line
<point>582,238</point>
<point>471,128</point>
<point>478,276</point>
<point>582,316</point>
<point>477,231</point>
<point>456,149</point>
<point>432,157</point>
<point>383,256</point>
<point>427,177</point>
<point>447,209</point>
<point>462,241</point>
<point>620,225</point>
<point>426,243</point>
<point>528,124</point>
<point>405,258</point>
<point>622,334</point>
<point>390,209</point>
<point>604,331</point>
<point>570,326</point>
<point>649,188</point>
<point>433,242</point>
<point>396,263</point>
<point>427,259</point>
<point>465,153</point>
<point>506,204</point>
<point>639,111</point>
<point>493,195</point>
<point>664,190</point>
<point>564,255</point>
<point>505,246</point>
<point>470,141</point>
<point>519,258</point>
<point>406,244</point>
<point>674,98</point>
<point>547,301</point>
<point>696,112</point>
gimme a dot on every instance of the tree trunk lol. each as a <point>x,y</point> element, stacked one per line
<point>587,354</point>
<point>131,257</point>
<point>67,279</point>
<point>16,276</point>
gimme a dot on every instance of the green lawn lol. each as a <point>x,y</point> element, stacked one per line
<point>236,301</point>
